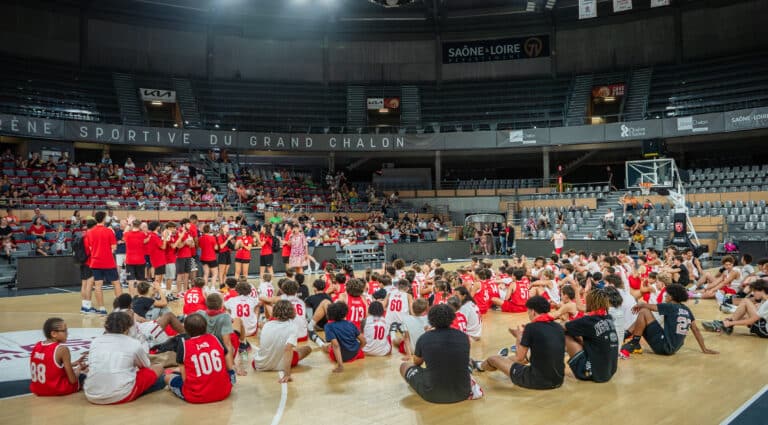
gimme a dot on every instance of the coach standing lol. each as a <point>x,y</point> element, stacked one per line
<point>100,243</point>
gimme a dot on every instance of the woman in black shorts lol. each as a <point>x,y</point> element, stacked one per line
<point>243,246</point>
<point>266,241</point>
<point>226,241</point>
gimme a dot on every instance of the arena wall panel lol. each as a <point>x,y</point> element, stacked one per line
<point>381,60</point>
<point>137,48</point>
<point>46,34</point>
<point>295,60</point>
<point>496,70</point>
<point>725,30</point>
<point>620,45</point>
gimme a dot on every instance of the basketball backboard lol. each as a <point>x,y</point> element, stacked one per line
<point>656,173</point>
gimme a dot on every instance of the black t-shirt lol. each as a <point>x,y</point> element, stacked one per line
<point>630,222</point>
<point>5,231</point>
<point>600,343</point>
<point>141,305</point>
<point>314,301</point>
<point>677,321</point>
<point>684,278</point>
<point>446,354</point>
<point>495,230</point>
<point>303,292</point>
<point>546,341</point>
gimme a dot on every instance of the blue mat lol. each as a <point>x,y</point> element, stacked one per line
<point>752,412</point>
<point>14,388</point>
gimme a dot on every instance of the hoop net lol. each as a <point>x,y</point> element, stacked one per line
<point>645,188</point>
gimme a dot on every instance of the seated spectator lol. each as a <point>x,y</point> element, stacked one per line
<point>129,165</point>
<point>647,205</point>
<point>106,160</point>
<point>608,219</point>
<point>629,223</point>
<point>610,236</point>
<point>543,220</point>
<point>629,202</point>
<point>36,229</point>
<point>74,170</point>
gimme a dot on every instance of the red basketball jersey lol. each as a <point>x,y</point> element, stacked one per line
<point>194,300</point>
<point>483,296</point>
<point>207,376</point>
<point>373,286</point>
<point>520,296</point>
<point>358,310</point>
<point>460,322</point>
<point>48,377</point>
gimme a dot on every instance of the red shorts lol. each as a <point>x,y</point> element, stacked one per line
<point>145,378</point>
<point>295,359</point>
<point>303,339</point>
<point>558,250</point>
<point>401,347</point>
<point>235,342</point>
<point>729,290</point>
<point>508,307</point>
<point>359,355</point>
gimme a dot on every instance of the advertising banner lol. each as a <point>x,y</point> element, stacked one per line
<point>496,50</point>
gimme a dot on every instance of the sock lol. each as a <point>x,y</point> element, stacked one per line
<point>478,366</point>
<point>311,325</point>
<point>317,340</point>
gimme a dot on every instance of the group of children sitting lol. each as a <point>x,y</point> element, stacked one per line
<point>596,308</point>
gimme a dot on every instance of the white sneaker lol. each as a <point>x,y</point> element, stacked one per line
<point>720,297</point>
<point>728,308</point>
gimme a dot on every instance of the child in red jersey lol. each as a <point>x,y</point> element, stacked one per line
<point>442,292</point>
<point>374,284</point>
<point>194,299</point>
<point>488,294</point>
<point>228,288</point>
<point>53,372</point>
<point>339,286</point>
<point>358,307</point>
<point>517,293</point>
<point>460,321</point>
<point>206,374</point>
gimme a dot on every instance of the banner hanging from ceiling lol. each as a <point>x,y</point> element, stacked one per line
<point>587,9</point>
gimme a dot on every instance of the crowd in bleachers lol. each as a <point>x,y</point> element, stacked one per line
<point>63,182</point>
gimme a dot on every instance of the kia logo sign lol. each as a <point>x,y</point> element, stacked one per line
<point>161,95</point>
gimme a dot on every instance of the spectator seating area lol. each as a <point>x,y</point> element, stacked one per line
<point>728,179</point>
<point>469,106</point>
<point>717,85</point>
<point>53,90</point>
<point>279,107</point>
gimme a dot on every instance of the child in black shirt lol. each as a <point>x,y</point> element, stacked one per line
<point>677,320</point>
<point>545,339</point>
<point>591,341</point>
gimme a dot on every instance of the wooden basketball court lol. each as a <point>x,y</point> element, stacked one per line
<point>687,388</point>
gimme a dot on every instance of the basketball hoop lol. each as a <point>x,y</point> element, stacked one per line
<point>645,188</point>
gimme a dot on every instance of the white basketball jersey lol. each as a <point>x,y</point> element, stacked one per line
<point>376,333</point>
<point>397,307</point>
<point>301,319</point>
<point>244,307</point>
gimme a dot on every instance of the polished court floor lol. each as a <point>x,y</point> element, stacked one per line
<point>688,388</point>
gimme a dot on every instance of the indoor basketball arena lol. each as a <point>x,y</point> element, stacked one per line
<point>383,211</point>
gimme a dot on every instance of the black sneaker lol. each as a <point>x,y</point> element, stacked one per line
<point>475,365</point>
<point>727,329</point>
<point>631,347</point>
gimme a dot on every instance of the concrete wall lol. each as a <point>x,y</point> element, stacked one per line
<point>381,60</point>
<point>293,60</point>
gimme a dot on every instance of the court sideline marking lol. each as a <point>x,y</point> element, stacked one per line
<point>744,406</point>
<point>283,400</point>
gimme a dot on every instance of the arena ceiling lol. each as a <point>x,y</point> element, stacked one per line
<point>330,16</point>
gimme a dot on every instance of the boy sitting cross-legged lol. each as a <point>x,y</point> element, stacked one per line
<point>678,319</point>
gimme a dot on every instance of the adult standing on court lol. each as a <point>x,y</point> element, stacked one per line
<point>286,252</point>
<point>559,240</point>
<point>446,378</point>
<point>194,232</point>
<point>266,241</point>
<point>134,254</point>
<point>226,241</point>
<point>100,244</point>
<point>299,249</point>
